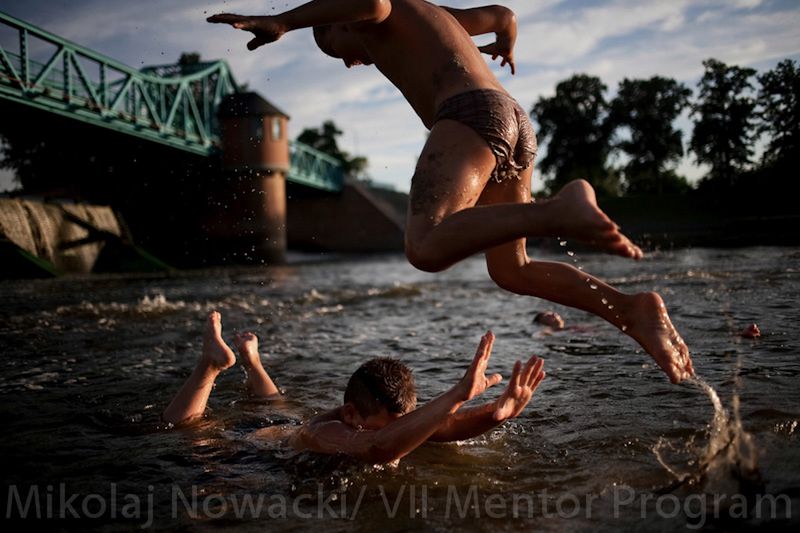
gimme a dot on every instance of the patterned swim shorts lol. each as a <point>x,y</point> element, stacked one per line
<point>501,122</point>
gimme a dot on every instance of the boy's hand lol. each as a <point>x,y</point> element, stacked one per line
<point>520,389</point>
<point>265,29</point>
<point>475,381</point>
<point>499,49</point>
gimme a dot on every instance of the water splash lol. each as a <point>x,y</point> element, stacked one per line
<point>729,462</point>
<point>731,455</point>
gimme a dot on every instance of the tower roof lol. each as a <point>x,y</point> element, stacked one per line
<point>247,104</point>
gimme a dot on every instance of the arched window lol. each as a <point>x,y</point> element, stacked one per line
<point>277,129</point>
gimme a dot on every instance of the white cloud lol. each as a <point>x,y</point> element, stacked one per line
<point>747,4</point>
<point>557,38</point>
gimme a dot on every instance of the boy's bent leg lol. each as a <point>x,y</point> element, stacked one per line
<point>642,316</point>
<point>444,226</point>
<point>258,381</point>
<point>190,401</point>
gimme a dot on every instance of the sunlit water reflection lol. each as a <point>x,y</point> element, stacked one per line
<point>90,363</point>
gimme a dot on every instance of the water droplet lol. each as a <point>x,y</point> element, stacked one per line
<point>562,243</point>
<point>624,327</point>
<point>593,286</point>
<point>605,302</point>
<point>611,307</point>
<point>570,253</point>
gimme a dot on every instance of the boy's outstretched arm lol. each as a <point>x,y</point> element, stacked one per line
<point>470,422</point>
<point>491,19</point>
<point>268,29</point>
<point>403,435</point>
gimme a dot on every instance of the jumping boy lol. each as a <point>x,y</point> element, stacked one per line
<point>470,191</point>
<point>377,422</point>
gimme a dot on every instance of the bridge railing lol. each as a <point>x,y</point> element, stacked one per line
<point>72,80</point>
<point>170,104</point>
<point>314,168</point>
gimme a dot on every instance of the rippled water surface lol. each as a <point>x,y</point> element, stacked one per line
<point>89,363</point>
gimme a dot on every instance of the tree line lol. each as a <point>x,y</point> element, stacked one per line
<point>734,107</point>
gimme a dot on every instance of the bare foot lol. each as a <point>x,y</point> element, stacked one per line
<point>247,345</point>
<point>583,220</point>
<point>651,327</point>
<point>215,352</point>
<point>258,381</point>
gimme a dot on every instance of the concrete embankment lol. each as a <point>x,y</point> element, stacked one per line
<point>39,238</point>
<point>57,234</point>
<point>356,220</point>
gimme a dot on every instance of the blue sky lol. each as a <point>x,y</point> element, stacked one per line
<point>612,39</point>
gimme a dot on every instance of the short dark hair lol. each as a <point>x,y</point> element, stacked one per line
<point>320,32</point>
<point>382,382</point>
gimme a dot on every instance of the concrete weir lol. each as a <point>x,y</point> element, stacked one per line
<point>62,236</point>
<point>40,239</point>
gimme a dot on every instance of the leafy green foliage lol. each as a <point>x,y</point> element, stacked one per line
<point>324,140</point>
<point>648,109</point>
<point>779,99</point>
<point>573,126</point>
<point>724,129</point>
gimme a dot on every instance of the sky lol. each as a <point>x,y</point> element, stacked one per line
<point>612,39</point>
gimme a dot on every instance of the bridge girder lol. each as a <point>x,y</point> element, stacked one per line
<point>169,104</point>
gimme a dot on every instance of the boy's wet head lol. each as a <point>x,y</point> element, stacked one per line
<point>380,390</point>
<point>338,42</point>
<point>322,37</point>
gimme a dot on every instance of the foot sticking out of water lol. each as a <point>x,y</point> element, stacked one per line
<point>581,218</point>
<point>258,381</point>
<point>246,344</point>
<point>216,353</point>
<point>190,401</point>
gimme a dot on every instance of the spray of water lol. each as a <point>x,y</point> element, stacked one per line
<point>729,461</point>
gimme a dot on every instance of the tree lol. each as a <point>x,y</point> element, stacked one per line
<point>324,140</point>
<point>724,131</point>
<point>779,99</point>
<point>648,109</point>
<point>573,126</point>
<point>188,59</point>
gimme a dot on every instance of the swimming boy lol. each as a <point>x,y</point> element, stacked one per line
<point>378,422</point>
<point>470,191</point>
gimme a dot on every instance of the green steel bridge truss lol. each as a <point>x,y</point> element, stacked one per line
<point>173,105</point>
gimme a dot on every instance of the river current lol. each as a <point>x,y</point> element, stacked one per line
<point>606,442</point>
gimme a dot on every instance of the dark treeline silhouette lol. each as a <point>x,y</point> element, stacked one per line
<point>732,109</point>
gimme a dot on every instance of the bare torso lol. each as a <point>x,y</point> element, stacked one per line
<point>426,54</point>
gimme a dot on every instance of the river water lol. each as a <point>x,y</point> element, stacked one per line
<point>606,442</point>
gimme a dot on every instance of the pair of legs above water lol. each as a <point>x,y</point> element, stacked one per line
<point>190,401</point>
<point>455,211</point>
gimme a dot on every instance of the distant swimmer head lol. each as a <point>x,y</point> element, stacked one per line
<point>337,41</point>
<point>381,390</point>
<point>550,318</point>
<point>750,332</point>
